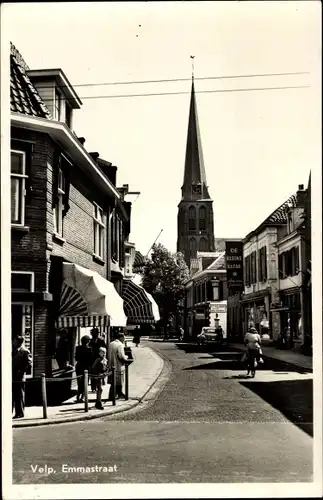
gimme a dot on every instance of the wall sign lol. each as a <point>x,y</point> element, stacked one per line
<point>234,262</point>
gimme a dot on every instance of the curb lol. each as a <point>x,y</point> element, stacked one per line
<point>111,411</point>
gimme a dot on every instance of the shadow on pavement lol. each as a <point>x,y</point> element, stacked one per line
<point>293,398</point>
<point>232,361</point>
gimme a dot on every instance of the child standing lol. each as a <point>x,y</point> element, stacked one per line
<point>99,369</point>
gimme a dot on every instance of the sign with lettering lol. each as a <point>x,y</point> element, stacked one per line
<point>218,308</point>
<point>234,262</point>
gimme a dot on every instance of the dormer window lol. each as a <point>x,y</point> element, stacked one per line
<point>58,105</point>
<point>57,93</point>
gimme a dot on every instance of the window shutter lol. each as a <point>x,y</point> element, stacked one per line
<point>56,166</point>
<point>66,196</point>
<point>260,264</point>
<point>297,259</point>
<point>280,266</point>
<point>254,267</point>
<point>265,263</point>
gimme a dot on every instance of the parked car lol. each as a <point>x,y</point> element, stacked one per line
<point>210,335</point>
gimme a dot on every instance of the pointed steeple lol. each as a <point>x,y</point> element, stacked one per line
<point>194,172</point>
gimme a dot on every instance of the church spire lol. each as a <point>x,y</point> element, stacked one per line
<point>194,184</point>
<point>195,220</point>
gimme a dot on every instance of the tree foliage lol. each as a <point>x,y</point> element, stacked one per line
<point>164,275</point>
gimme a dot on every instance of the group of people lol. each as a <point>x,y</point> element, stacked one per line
<point>92,356</point>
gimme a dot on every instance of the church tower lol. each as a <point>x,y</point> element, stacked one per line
<point>195,226</point>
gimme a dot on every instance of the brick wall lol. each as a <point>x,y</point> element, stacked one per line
<point>33,246</point>
<point>28,248</point>
<point>78,222</point>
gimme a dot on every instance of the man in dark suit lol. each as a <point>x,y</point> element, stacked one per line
<point>21,362</point>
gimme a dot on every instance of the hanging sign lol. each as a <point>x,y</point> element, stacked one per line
<point>234,262</point>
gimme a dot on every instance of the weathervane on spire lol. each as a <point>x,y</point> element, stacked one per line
<point>192,57</point>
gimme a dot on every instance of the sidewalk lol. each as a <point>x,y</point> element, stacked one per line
<point>143,373</point>
<point>291,357</point>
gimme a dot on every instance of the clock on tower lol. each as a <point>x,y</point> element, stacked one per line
<point>196,189</point>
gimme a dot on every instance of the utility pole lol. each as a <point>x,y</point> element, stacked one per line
<point>154,242</point>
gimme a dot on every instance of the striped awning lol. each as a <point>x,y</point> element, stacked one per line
<point>83,321</point>
<point>139,306</point>
<point>88,300</point>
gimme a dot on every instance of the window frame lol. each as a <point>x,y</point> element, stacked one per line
<point>59,206</point>
<point>32,280</point>
<point>22,193</point>
<point>98,231</point>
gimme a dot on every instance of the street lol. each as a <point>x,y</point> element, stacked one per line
<point>209,424</point>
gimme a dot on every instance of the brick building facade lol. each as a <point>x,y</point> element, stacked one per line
<point>65,207</point>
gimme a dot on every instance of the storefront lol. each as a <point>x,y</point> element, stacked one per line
<point>287,316</point>
<point>255,312</point>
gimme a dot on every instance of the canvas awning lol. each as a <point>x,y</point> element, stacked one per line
<point>88,299</point>
<point>139,305</point>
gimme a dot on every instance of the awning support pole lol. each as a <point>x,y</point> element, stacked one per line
<point>127,381</point>
<point>44,395</point>
<point>86,390</point>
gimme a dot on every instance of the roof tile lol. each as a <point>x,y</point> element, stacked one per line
<point>24,97</point>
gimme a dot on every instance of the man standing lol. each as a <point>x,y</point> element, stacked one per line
<point>21,362</point>
<point>95,343</point>
<point>118,359</point>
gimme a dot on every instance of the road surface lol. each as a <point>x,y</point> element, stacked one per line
<point>209,424</point>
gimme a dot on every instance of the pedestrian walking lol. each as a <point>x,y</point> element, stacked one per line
<point>21,362</point>
<point>83,357</point>
<point>117,359</point>
<point>136,336</point>
<point>99,370</point>
<point>252,341</point>
<point>180,334</point>
<point>95,343</point>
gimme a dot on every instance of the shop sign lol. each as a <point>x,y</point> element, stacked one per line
<point>234,261</point>
<point>27,326</point>
<point>218,308</point>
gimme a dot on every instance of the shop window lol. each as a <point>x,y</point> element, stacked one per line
<point>58,210</point>
<point>98,231</point>
<point>65,347</point>
<point>18,187</point>
<point>22,324</point>
<point>192,219</point>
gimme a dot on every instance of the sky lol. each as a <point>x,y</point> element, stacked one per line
<point>258,146</point>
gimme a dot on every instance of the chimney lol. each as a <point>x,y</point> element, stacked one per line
<point>81,140</point>
<point>95,156</point>
<point>300,196</point>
